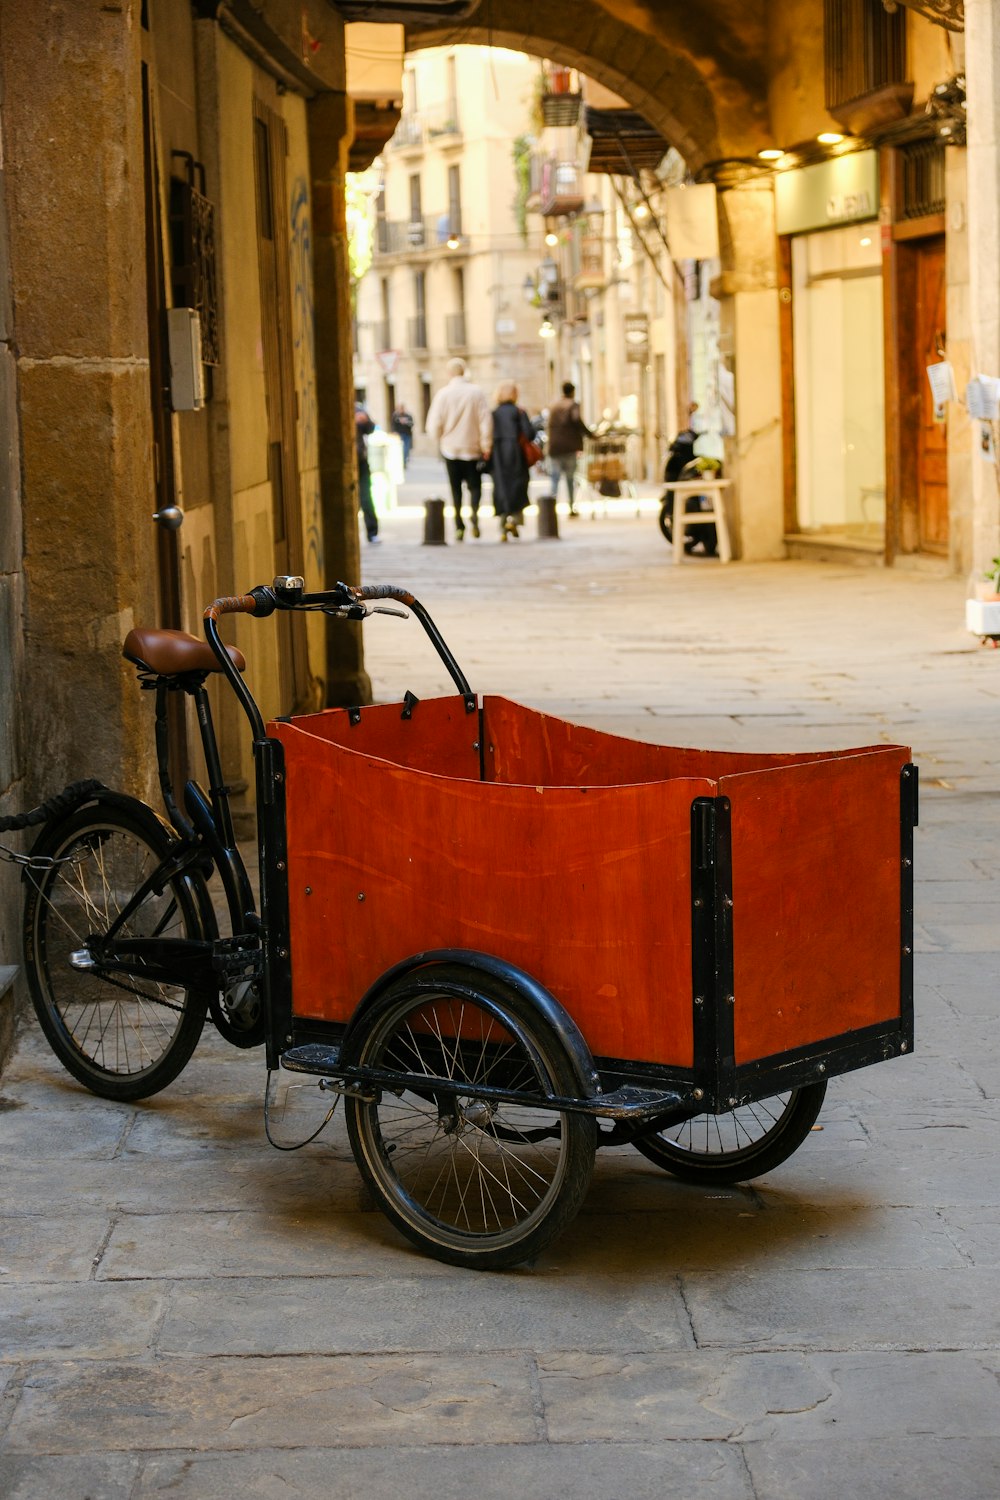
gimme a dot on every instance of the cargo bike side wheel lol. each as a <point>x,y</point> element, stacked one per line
<point>123,1036</point>
<point>473,1179</point>
<point>739,1144</point>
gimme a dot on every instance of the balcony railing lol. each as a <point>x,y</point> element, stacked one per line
<point>561,189</point>
<point>409,132</point>
<point>413,236</point>
<point>416,332</point>
<point>380,334</point>
<point>442,121</point>
<point>435,124</point>
<point>454,327</point>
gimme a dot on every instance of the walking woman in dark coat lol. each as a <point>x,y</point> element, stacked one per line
<point>509,466</point>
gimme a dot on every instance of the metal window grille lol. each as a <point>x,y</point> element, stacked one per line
<point>192,223</point>
<point>864,48</point>
<point>922,189</point>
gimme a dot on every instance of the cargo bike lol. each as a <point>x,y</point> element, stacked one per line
<point>503,939</point>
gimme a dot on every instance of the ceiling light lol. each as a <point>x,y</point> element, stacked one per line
<point>866,239</point>
<point>829,138</point>
<point>772,153</point>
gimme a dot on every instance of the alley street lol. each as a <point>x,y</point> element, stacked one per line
<point>185,1311</point>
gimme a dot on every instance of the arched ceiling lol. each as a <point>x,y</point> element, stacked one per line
<point>696,72</point>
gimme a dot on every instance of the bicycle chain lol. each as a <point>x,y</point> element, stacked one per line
<point>140,994</point>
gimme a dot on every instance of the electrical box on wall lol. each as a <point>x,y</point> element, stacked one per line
<point>187,373</point>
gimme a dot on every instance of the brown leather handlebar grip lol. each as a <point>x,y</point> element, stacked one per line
<point>384,591</point>
<point>233,604</point>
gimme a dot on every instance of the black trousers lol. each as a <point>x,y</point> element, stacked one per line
<point>365,499</point>
<point>464,471</point>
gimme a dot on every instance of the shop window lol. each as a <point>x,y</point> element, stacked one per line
<point>839,413</point>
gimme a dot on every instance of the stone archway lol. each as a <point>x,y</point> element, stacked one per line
<point>695,72</point>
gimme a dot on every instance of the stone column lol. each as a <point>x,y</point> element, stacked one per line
<point>749,344</point>
<point>72,124</point>
<point>12,755</point>
<point>982,54</point>
<point>330,128</point>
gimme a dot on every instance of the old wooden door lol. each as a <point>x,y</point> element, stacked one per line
<point>931,436</point>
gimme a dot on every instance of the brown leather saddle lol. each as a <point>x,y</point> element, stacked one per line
<point>170,653</point>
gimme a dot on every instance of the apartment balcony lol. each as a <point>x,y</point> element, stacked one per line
<point>560,95</point>
<point>442,124</point>
<point>417,236</point>
<point>561,188</point>
<point>408,133</point>
<point>416,334</point>
<point>622,141</point>
<point>455,332</point>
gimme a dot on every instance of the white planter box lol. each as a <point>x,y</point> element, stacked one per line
<point>982,616</point>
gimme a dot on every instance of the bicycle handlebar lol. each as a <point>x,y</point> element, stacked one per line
<point>343,599</point>
<point>233,604</point>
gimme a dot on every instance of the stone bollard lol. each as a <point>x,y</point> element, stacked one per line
<point>548,521</point>
<point>434,523</point>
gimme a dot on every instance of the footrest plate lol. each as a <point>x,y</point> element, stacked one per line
<point>314,1057</point>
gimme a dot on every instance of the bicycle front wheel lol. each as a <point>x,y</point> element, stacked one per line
<point>122,1036</point>
<point>739,1144</point>
<point>475,1181</point>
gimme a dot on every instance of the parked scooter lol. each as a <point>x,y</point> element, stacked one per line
<point>683,464</point>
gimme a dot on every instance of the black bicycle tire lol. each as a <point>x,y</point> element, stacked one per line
<point>452,1244</point>
<point>774,1146</point>
<point>135,820</point>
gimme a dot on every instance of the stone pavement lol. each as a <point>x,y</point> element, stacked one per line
<point>185,1311</point>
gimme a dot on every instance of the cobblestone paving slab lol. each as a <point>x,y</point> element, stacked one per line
<point>264,1403</point>
<point>110,1477</point>
<point>588,1471</point>
<point>900,1467</point>
<point>412,1311</point>
<point>81,1320</point>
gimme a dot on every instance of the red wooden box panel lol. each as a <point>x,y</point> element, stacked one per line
<point>585,887</point>
<point>572,860</point>
<point>816,899</point>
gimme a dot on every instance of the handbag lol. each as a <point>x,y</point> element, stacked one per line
<point>532,452</point>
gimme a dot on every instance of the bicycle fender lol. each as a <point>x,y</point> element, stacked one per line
<point>549,1009</point>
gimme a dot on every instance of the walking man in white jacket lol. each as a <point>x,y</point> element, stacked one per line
<point>460,421</point>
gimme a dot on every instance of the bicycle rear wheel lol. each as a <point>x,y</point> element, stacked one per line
<point>475,1181</point>
<point>739,1144</point>
<point>122,1036</point>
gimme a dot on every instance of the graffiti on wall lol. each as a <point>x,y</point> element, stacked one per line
<point>305,376</point>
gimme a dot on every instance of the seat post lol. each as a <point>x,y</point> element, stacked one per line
<point>162,735</point>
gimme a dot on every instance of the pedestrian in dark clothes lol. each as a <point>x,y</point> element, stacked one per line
<point>363,425</point>
<point>508,464</point>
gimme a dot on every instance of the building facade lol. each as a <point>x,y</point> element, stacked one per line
<point>453,263</point>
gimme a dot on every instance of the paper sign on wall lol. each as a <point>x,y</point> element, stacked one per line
<point>981,397</point>
<point>942,379</point>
